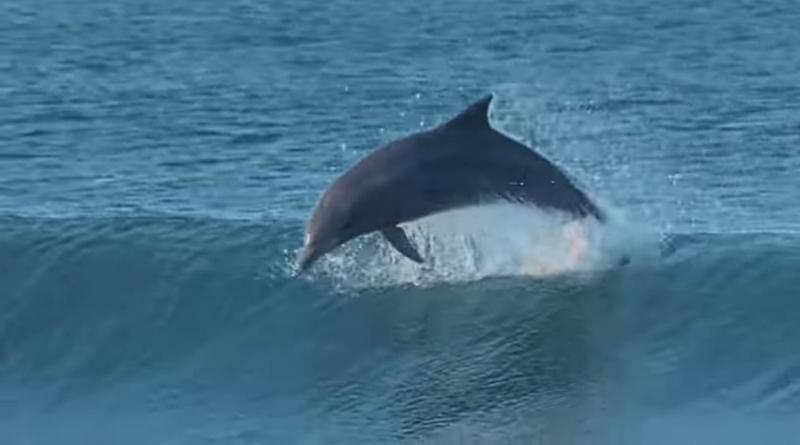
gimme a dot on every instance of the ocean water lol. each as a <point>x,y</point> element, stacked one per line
<point>158,162</point>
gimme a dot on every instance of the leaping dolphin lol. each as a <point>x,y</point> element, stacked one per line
<point>463,162</point>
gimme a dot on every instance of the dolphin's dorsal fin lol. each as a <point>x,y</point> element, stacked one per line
<point>475,116</point>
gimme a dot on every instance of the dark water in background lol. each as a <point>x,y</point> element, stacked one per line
<point>158,161</point>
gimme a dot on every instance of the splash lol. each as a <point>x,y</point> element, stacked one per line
<point>475,243</point>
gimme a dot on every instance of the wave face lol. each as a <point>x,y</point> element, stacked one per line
<point>158,161</point>
<point>185,330</point>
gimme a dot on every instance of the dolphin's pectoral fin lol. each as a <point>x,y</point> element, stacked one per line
<point>398,239</point>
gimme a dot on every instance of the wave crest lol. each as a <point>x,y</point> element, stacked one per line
<point>474,243</point>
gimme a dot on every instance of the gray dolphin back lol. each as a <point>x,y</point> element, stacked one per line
<point>463,162</point>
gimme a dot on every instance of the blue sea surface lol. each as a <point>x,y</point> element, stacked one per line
<point>159,161</point>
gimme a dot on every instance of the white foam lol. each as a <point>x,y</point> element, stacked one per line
<point>474,243</point>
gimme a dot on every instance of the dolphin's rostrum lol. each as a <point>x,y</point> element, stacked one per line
<point>460,163</point>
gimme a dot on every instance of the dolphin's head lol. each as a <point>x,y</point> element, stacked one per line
<point>329,227</point>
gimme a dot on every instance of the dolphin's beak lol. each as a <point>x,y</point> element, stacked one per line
<point>307,257</point>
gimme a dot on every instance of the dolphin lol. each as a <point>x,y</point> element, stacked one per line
<point>462,162</point>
